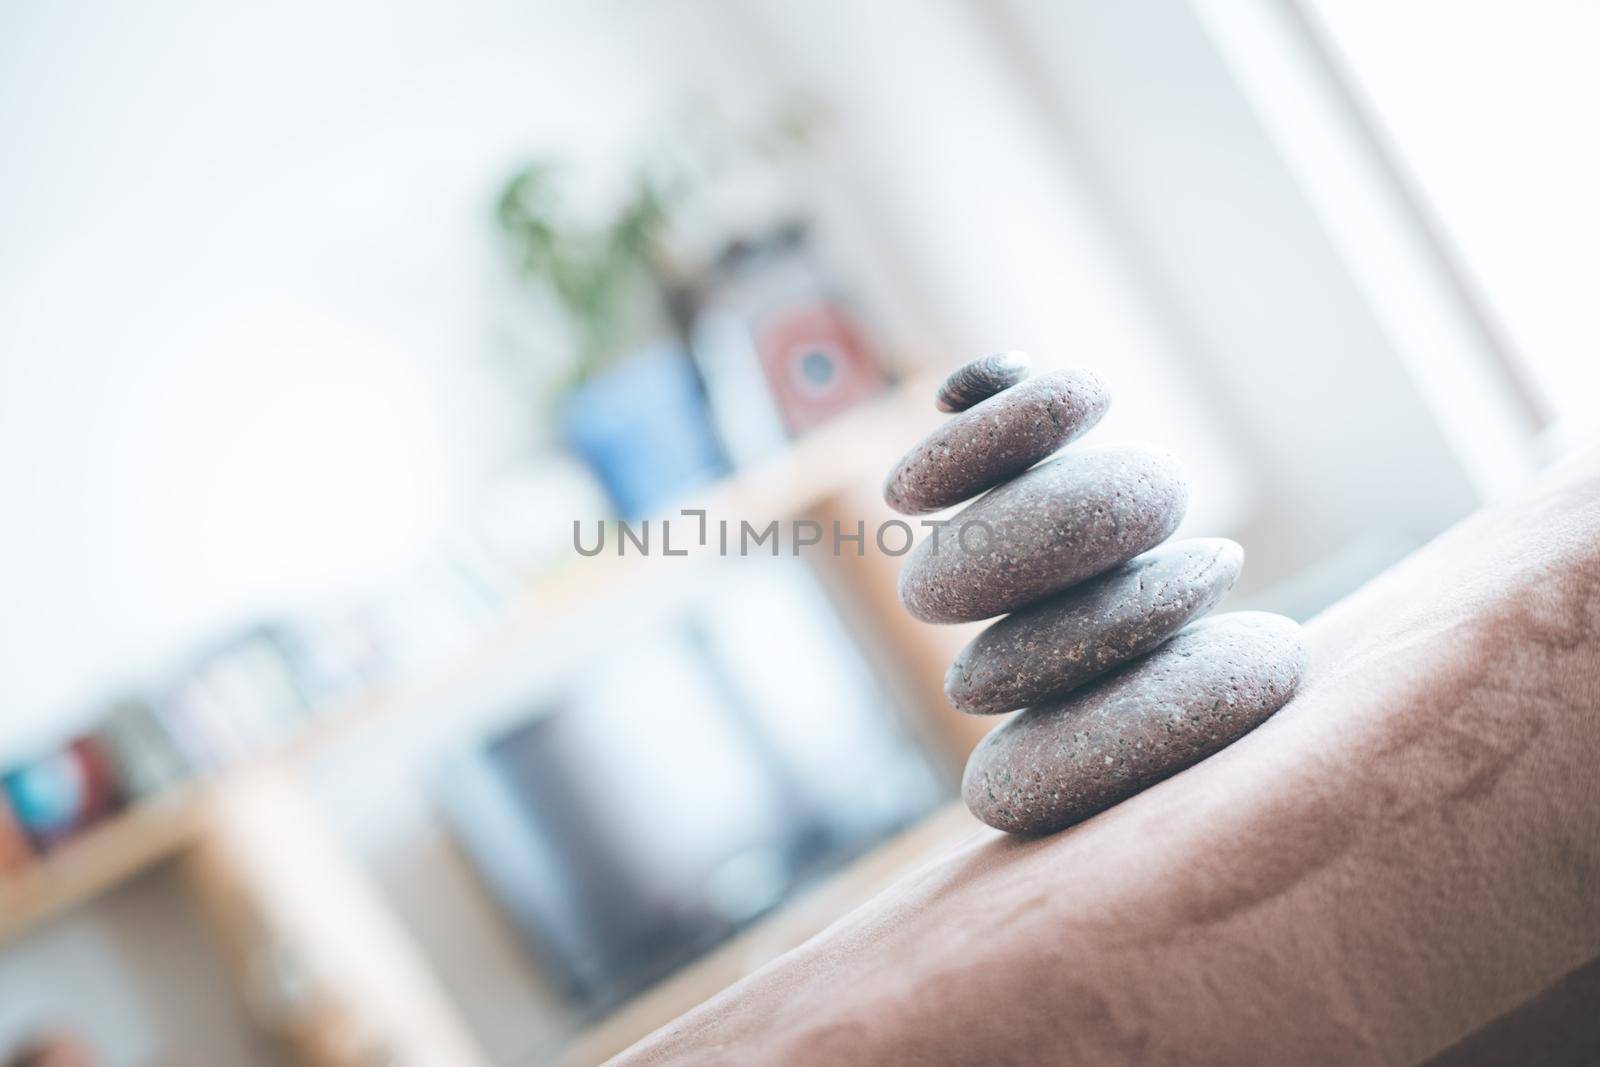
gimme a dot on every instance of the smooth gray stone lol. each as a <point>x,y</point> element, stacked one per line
<point>1057,764</point>
<point>982,378</point>
<point>991,441</point>
<point>1058,644</point>
<point>1044,531</point>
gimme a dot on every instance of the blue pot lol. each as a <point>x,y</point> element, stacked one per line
<point>643,427</point>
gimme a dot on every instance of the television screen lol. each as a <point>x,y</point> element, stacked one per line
<point>686,784</point>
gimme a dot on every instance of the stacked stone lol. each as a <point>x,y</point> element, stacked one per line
<point>1123,683</point>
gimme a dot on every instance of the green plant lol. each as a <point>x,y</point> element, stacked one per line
<point>606,277</point>
<point>599,275</point>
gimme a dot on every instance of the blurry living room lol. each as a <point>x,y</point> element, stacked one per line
<point>451,608</point>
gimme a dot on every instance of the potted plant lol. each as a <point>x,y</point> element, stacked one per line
<point>628,401</point>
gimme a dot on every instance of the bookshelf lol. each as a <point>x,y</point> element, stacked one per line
<point>839,457</point>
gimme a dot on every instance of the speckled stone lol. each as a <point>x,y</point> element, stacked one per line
<point>981,379</point>
<point>1058,644</point>
<point>993,440</point>
<point>1057,764</point>
<point>1044,531</point>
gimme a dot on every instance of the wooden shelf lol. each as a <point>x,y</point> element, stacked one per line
<point>855,448</point>
<point>99,859</point>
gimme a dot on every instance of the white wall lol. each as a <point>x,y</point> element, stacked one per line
<point>1507,162</point>
<point>246,291</point>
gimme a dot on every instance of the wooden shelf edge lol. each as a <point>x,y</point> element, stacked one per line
<point>98,860</point>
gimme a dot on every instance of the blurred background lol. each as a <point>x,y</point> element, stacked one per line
<point>324,325</point>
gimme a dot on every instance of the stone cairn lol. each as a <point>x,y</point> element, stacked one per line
<point>1101,645</point>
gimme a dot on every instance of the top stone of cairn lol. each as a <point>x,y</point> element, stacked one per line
<point>973,382</point>
<point>995,439</point>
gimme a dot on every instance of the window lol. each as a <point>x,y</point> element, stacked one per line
<point>1490,107</point>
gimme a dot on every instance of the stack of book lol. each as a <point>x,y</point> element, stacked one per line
<point>142,752</point>
<point>14,848</point>
<point>235,699</point>
<point>245,695</point>
<point>54,797</point>
<point>232,701</point>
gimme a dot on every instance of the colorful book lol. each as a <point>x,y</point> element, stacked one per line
<point>15,853</point>
<point>60,794</point>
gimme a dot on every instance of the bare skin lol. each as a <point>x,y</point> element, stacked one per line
<point>1404,855</point>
